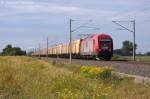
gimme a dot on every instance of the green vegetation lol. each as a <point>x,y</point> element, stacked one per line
<point>12,51</point>
<point>96,72</point>
<point>28,78</point>
<point>130,58</point>
<point>147,53</point>
<point>139,58</point>
<point>119,58</point>
<point>143,58</point>
<point>126,50</point>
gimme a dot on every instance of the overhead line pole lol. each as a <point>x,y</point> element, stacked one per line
<point>70,44</point>
<point>133,40</point>
<point>133,31</point>
<point>39,50</point>
<point>47,49</point>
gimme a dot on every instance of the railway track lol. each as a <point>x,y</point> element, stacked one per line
<point>128,67</point>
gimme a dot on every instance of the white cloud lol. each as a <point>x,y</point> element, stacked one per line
<point>34,8</point>
<point>27,6</point>
<point>130,2</point>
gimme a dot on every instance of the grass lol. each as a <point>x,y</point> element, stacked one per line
<point>28,78</point>
<point>126,58</point>
<point>143,58</point>
<point>119,58</point>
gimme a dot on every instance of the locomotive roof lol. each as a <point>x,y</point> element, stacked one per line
<point>103,34</point>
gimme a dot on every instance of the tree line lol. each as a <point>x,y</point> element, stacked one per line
<point>127,49</point>
<point>12,51</point>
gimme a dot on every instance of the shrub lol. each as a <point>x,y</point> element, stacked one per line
<point>96,72</point>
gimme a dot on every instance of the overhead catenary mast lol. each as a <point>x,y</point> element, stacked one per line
<point>47,49</point>
<point>133,31</point>
<point>70,43</point>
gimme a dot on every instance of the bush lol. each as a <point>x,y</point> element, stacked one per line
<point>96,72</point>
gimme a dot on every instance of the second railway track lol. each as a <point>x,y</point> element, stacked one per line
<point>133,68</point>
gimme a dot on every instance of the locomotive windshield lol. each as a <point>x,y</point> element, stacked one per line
<point>104,42</point>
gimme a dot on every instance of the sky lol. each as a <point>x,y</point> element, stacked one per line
<point>26,23</point>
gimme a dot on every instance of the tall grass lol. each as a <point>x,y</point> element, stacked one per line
<point>28,78</point>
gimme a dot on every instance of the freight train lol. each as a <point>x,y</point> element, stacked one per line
<point>98,46</point>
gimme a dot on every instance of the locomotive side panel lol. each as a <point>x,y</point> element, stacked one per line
<point>87,46</point>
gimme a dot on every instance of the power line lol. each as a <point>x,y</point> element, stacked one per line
<point>81,25</point>
<point>133,31</point>
<point>120,13</point>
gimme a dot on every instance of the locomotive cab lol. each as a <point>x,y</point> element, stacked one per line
<point>105,43</point>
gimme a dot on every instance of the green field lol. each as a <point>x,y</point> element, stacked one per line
<point>28,78</point>
<point>143,58</point>
<point>130,58</point>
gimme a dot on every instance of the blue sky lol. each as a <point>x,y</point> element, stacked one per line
<point>26,23</point>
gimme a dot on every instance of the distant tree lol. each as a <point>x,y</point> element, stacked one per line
<point>118,52</point>
<point>126,50</point>
<point>11,51</point>
<point>139,54</point>
<point>148,53</point>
